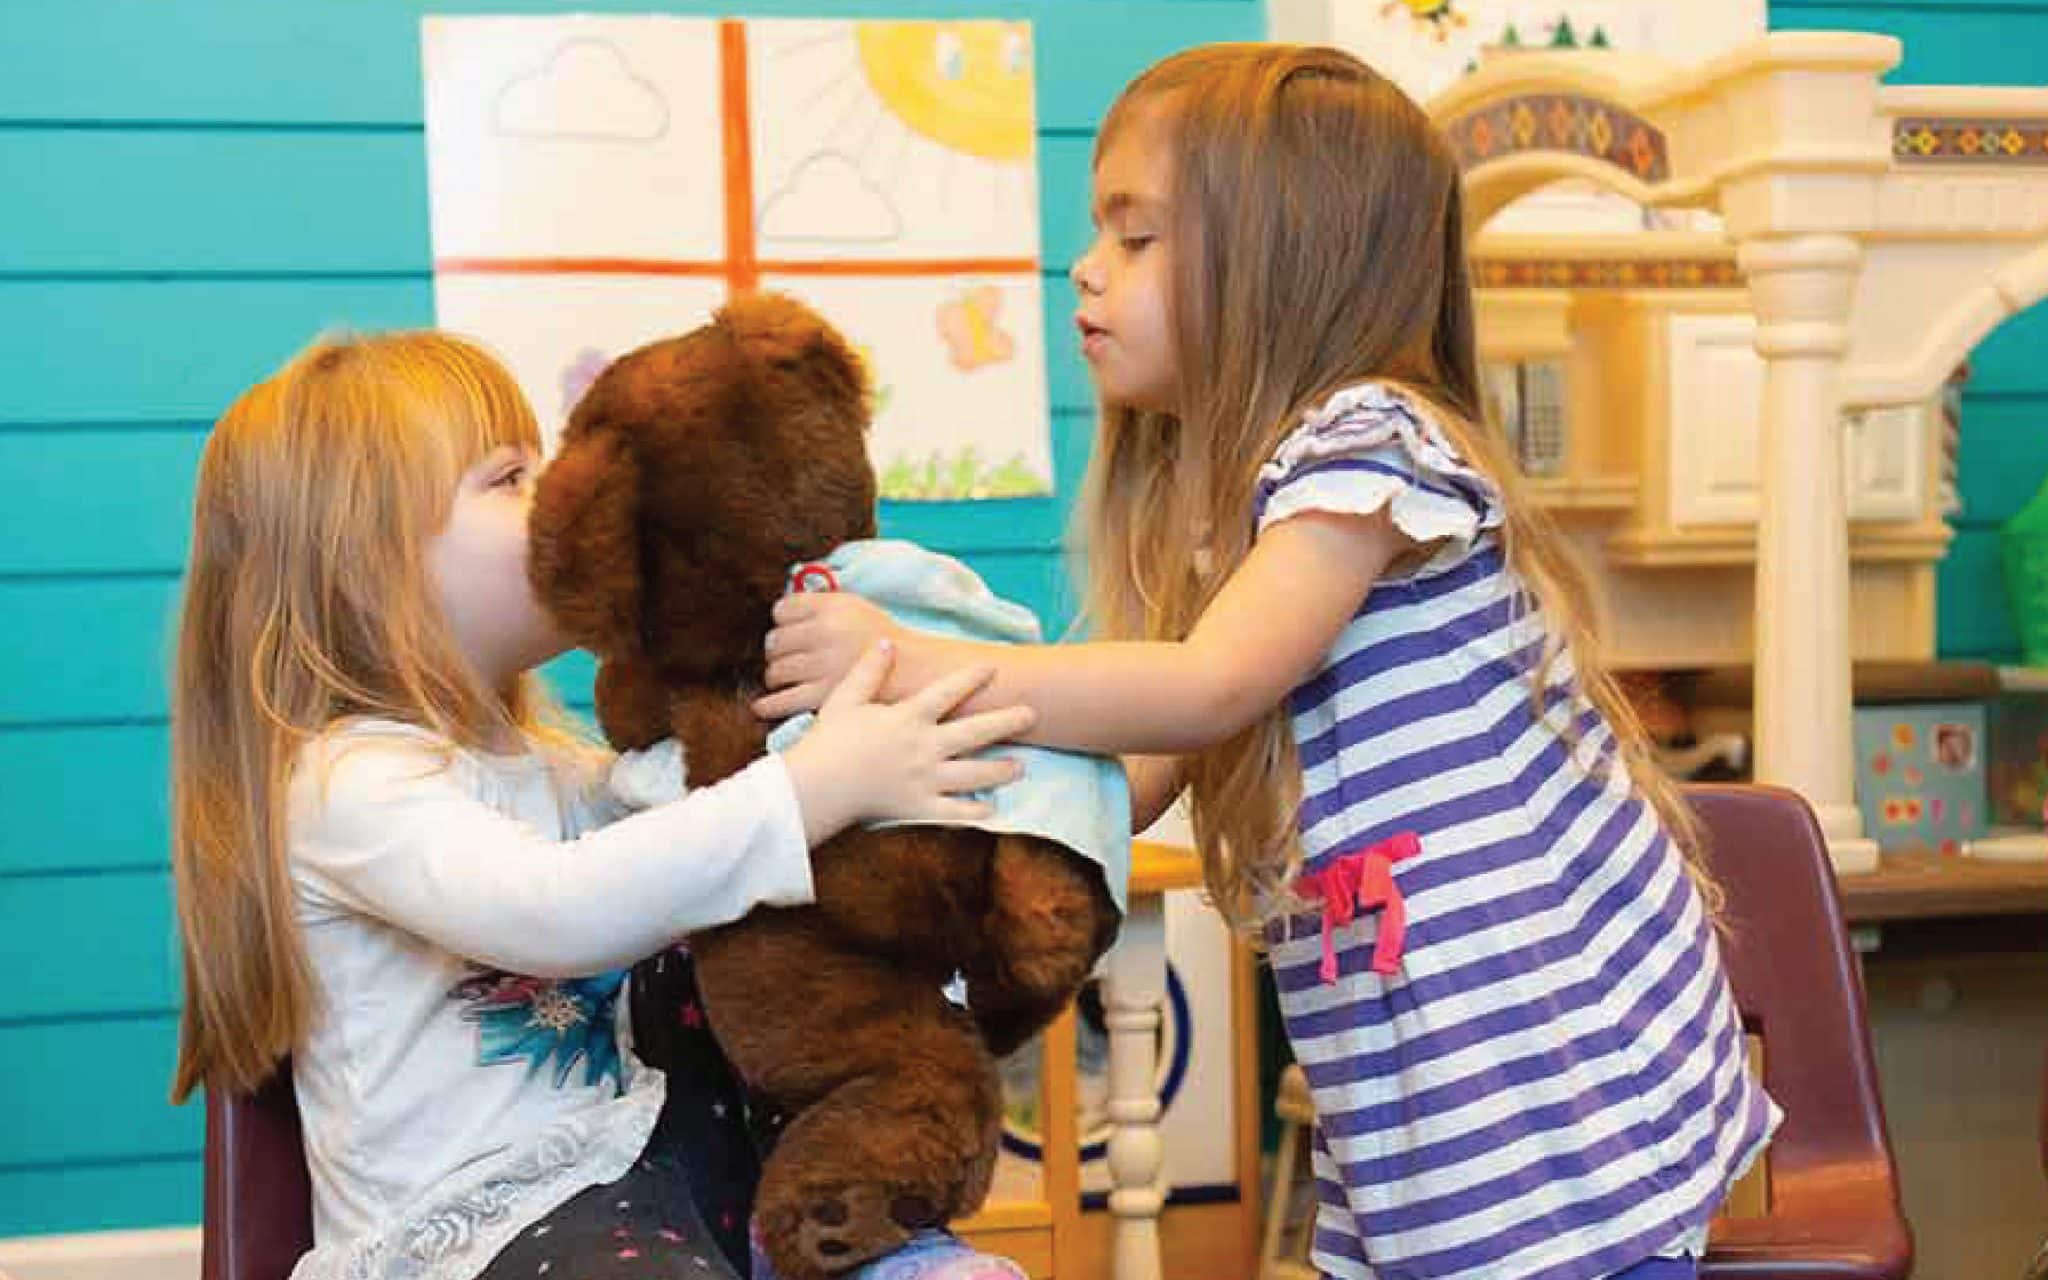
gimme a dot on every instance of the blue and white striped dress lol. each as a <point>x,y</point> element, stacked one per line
<point>1545,1077</point>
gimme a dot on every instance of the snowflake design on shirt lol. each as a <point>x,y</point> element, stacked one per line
<point>545,1022</point>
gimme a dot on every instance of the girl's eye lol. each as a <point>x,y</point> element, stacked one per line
<point>1135,244</point>
<point>510,478</point>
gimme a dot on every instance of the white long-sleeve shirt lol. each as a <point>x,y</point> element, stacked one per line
<point>461,912</point>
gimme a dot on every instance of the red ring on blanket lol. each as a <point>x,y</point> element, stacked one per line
<point>813,577</point>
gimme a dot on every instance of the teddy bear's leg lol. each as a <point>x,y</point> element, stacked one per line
<point>894,1102</point>
<point>906,1146</point>
<point>1049,921</point>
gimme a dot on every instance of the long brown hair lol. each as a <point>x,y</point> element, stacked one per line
<point>1314,206</point>
<point>307,603</point>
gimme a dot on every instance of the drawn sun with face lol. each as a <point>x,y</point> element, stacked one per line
<point>930,119</point>
<point>964,85</point>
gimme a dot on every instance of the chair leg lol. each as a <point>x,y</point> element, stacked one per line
<point>1280,1195</point>
<point>1295,1110</point>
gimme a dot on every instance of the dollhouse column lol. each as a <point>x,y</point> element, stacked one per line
<point>1802,286</point>
<point>1134,989</point>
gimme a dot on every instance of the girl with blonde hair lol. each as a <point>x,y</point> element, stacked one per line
<point>1326,610</point>
<point>392,865</point>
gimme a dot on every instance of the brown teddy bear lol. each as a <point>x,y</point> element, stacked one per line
<point>691,477</point>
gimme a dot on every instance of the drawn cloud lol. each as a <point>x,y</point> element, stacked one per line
<point>828,199</point>
<point>586,91</point>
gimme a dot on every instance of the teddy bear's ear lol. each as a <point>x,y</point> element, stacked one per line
<point>784,334</point>
<point>585,554</point>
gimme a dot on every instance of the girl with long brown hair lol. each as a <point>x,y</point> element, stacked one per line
<point>393,867</point>
<point>1324,607</point>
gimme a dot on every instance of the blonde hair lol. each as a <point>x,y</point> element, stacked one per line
<point>308,603</point>
<point>1314,205</point>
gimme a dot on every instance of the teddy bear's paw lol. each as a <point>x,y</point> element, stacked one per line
<point>841,1228</point>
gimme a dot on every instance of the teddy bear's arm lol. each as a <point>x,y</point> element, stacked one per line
<point>633,705</point>
<point>720,733</point>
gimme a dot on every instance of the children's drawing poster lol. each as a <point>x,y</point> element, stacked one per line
<point>597,183</point>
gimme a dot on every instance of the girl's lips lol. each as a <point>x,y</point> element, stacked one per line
<point>1093,336</point>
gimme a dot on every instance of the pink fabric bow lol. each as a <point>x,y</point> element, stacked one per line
<point>1364,879</point>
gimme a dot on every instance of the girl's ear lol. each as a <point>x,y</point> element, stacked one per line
<point>584,553</point>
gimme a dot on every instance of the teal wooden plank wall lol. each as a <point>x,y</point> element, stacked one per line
<point>2004,455</point>
<point>193,190</point>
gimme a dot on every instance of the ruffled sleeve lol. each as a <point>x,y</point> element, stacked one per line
<point>1370,447</point>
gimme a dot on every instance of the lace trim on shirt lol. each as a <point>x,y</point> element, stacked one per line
<point>461,1224</point>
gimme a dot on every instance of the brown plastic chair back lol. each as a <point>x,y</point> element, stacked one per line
<point>259,1201</point>
<point>1833,1201</point>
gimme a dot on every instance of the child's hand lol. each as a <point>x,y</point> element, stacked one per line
<point>817,638</point>
<point>865,760</point>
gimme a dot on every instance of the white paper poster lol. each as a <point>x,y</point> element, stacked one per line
<point>600,182</point>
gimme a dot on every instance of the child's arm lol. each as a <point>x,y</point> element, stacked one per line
<point>396,837</point>
<point>1156,782</point>
<point>379,827</point>
<point>1272,623</point>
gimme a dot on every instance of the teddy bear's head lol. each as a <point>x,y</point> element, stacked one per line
<point>691,476</point>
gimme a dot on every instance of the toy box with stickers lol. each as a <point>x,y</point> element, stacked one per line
<point>1920,775</point>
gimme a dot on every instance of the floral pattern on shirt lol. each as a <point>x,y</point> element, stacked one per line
<point>546,1022</point>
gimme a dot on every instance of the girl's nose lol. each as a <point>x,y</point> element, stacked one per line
<point>1086,276</point>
